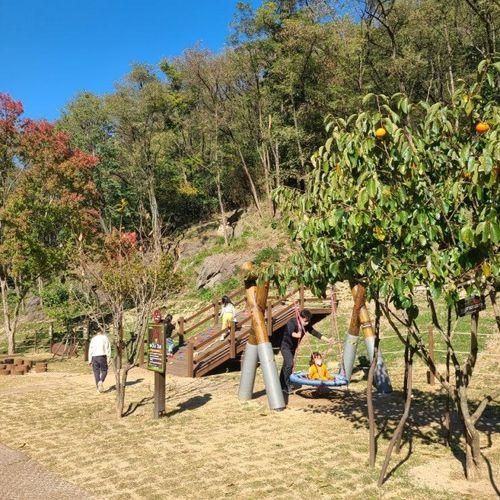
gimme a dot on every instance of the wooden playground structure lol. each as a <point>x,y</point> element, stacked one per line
<point>203,351</point>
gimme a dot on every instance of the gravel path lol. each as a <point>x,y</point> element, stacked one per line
<point>22,478</point>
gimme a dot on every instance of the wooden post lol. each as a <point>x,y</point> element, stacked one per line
<point>430,375</point>
<point>86,342</point>
<point>301,296</point>
<point>181,330</point>
<point>141,354</point>
<point>232,338</point>
<point>159,395</point>
<point>190,359</point>
<point>36,340</point>
<point>359,299</point>
<point>157,357</point>
<point>216,311</point>
<point>269,319</point>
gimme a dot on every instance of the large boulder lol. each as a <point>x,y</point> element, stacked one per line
<point>215,269</point>
<point>234,224</point>
<point>218,268</point>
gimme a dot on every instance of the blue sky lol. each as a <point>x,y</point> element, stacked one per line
<point>52,49</point>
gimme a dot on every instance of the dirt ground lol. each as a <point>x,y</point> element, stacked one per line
<point>212,446</point>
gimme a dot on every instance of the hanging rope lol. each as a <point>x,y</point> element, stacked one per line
<point>301,329</point>
<point>302,343</point>
<point>333,305</point>
<point>333,298</point>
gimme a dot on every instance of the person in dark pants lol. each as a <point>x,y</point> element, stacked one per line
<point>295,330</point>
<point>99,353</point>
<point>168,330</point>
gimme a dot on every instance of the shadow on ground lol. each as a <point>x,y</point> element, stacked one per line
<point>191,404</point>
<point>426,422</point>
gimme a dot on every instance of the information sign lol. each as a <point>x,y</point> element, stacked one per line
<point>156,349</point>
<point>470,305</point>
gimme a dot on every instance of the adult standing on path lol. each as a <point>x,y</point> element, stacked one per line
<point>296,328</point>
<point>99,353</point>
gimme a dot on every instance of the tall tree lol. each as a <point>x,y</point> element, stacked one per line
<point>407,195</point>
<point>90,129</point>
<point>50,207</point>
<point>141,112</point>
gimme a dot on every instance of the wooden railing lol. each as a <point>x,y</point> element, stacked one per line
<point>190,324</point>
<point>199,352</point>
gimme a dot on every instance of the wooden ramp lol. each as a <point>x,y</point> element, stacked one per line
<point>204,350</point>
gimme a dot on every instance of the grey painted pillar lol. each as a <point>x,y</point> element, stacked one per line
<point>382,380</point>
<point>350,347</point>
<point>248,371</point>
<point>271,379</point>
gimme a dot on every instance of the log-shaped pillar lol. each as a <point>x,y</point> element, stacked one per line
<point>361,318</point>
<point>259,340</point>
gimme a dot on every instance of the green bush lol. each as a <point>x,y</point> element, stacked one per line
<point>58,303</point>
<point>268,255</point>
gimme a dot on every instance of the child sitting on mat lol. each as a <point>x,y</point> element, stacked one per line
<point>318,370</point>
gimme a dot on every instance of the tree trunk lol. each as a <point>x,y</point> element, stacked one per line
<point>299,145</point>
<point>472,442</point>
<point>398,433</point>
<point>121,383</point>
<point>155,216</point>
<point>120,372</point>
<point>264,159</point>
<point>277,182</point>
<point>9,318</point>
<point>221,206</point>
<point>472,446</point>
<point>447,415</point>
<point>250,181</point>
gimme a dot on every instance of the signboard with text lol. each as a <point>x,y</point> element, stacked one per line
<point>156,349</point>
<point>470,305</point>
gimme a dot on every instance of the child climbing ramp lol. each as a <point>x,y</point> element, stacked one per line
<point>228,315</point>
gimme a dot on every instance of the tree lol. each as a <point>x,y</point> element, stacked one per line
<point>402,195</point>
<point>420,48</point>
<point>117,272</point>
<point>142,112</point>
<point>90,128</point>
<point>45,210</point>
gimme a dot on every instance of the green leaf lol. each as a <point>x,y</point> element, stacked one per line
<point>371,187</point>
<point>367,98</point>
<point>467,235</point>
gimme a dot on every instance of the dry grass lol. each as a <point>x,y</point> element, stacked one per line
<point>212,446</point>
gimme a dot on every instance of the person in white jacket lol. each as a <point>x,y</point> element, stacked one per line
<point>99,354</point>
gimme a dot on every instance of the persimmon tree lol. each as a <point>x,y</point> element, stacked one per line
<point>122,271</point>
<point>47,202</point>
<point>416,205</point>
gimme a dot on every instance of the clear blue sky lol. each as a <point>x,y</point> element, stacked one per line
<point>52,49</point>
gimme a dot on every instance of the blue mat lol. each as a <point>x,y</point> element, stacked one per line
<point>300,378</point>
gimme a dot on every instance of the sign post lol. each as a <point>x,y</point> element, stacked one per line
<point>156,362</point>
